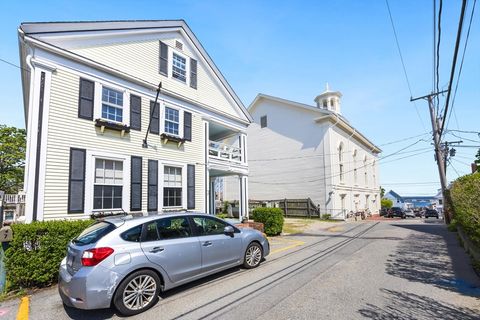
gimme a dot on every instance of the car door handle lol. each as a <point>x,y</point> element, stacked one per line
<point>157,249</point>
<point>207,244</point>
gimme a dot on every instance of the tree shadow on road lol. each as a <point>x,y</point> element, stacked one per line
<point>408,306</point>
<point>432,255</point>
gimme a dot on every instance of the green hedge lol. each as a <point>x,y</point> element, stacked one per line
<point>272,219</point>
<point>465,200</point>
<point>33,257</point>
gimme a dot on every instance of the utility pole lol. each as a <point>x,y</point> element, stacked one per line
<point>439,157</point>
<point>448,152</point>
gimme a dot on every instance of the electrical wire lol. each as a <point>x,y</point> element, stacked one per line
<point>13,65</point>
<point>403,63</point>
<point>461,64</point>
<point>439,37</point>
<point>454,64</point>
<point>460,137</point>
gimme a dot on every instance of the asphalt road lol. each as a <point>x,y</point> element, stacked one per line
<point>403,269</point>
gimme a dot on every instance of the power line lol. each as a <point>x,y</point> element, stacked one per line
<point>404,139</point>
<point>13,65</point>
<point>461,63</point>
<point>454,63</point>
<point>438,50</point>
<point>460,137</point>
<point>403,63</point>
<point>333,175</point>
<point>453,167</point>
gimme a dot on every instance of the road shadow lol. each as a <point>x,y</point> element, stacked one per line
<point>99,314</point>
<point>408,306</point>
<point>432,255</point>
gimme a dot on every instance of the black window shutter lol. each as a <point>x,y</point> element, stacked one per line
<point>155,120</point>
<point>163,59</point>
<point>152,185</point>
<point>136,184</point>
<point>85,99</point>
<point>193,73</point>
<point>135,112</point>
<point>190,186</point>
<point>76,181</point>
<point>263,121</point>
<point>187,126</point>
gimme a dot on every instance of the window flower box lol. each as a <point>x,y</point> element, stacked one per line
<point>105,124</point>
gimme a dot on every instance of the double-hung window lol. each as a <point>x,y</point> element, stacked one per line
<point>108,184</point>
<point>172,187</point>
<point>112,104</point>
<point>172,121</point>
<point>179,67</point>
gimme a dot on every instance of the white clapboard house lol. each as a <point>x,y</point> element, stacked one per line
<point>89,90</point>
<point>299,151</point>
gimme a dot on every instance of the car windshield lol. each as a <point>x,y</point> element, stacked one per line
<point>93,233</point>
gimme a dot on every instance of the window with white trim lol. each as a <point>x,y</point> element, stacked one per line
<point>172,121</point>
<point>179,67</point>
<point>108,184</point>
<point>172,186</point>
<point>112,104</point>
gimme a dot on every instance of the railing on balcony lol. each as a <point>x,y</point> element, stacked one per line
<point>14,198</point>
<point>224,151</point>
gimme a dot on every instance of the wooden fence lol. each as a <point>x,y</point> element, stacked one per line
<point>290,207</point>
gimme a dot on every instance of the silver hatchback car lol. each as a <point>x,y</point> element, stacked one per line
<point>126,262</point>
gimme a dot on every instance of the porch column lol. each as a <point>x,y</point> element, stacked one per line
<point>243,201</point>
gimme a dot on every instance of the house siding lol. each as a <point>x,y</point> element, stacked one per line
<point>141,59</point>
<point>66,130</point>
<point>289,133</point>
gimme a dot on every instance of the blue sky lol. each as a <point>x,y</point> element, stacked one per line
<point>292,48</point>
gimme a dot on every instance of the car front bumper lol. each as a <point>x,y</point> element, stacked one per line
<point>88,288</point>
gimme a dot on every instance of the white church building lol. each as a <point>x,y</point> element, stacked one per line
<point>299,151</point>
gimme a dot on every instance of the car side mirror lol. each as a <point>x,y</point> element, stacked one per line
<point>229,231</point>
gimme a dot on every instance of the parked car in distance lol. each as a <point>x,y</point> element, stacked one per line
<point>396,212</point>
<point>126,262</point>
<point>383,212</point>
<point>431,213</point>
<point>418,213</point>
<point>409,213</point>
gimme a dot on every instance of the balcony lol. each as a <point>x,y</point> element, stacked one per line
<point>14,198</point>
<point>224,151</point>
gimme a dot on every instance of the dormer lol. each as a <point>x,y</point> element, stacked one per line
<point>329,100</point>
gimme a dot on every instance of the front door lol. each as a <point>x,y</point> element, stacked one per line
<point>218,249</point>
<point>170,243</point>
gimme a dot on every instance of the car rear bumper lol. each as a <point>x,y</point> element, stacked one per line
<point>88,288</point>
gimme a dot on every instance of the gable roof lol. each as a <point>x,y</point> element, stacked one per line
<point>324,115</point>
<point>34,30</point>
<point>395,195</point>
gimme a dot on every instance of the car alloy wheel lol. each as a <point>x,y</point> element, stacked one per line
<point>253,255</point>
<point>139,292</point>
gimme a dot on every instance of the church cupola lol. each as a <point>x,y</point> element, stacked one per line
<point>329,100</point>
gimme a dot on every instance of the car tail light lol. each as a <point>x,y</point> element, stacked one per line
<point>94,256</point>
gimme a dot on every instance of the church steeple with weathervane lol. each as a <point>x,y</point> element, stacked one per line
<point>329,100</point>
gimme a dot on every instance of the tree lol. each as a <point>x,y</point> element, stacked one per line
<point>12,158</point>
<point>382,192</point>
<point>386,203</point>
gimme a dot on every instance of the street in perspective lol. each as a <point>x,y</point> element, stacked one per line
<point>240,160</point>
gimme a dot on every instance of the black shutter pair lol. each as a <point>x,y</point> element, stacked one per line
<point>86,100</point>
<point>163,69</point>
<point>155,121</point>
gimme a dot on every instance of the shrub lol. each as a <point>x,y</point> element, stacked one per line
<point>326,216</point>
<point>272,219</point>
<point>464,195</point>
<point>221,215</point>
<point>386,203</point>
<point>33,257</point>
<point>452,227</point>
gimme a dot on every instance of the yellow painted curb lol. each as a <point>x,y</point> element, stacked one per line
<point>22,313</point>
<point>296,243</point>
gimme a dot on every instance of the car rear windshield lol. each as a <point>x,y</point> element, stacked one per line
<point>93,233</point>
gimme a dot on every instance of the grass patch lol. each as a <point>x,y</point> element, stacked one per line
<point>12,295</point>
